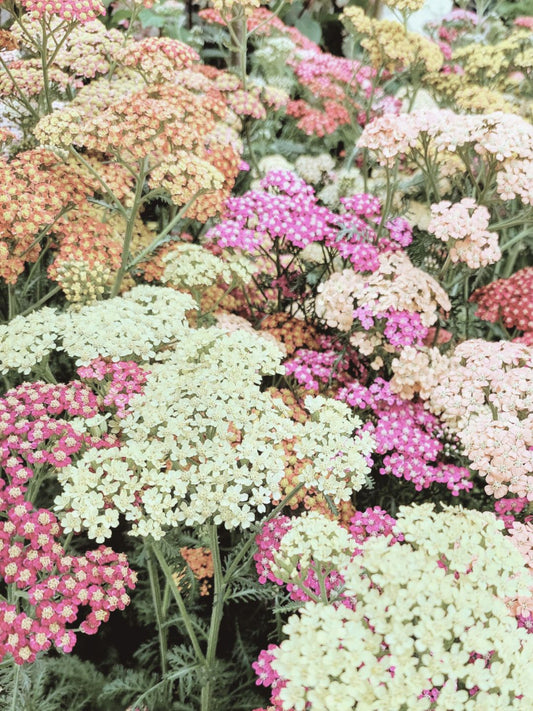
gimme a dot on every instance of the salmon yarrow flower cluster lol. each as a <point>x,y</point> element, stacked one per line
<point>81,11</point>
<point>463,226</point>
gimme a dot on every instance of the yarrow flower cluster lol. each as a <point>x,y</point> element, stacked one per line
<point>81,11</point>
<point>510,299</point>
<point>403,296</point>
<point>120,380</point>
<point>412,440</point>
<point>306,553</point>
<point>499,138</point>
<point>193,267</point>
<point>413,627</point>
<point>286,209</point>
<point>34,436</point>
<point>135,325</point>
<point>57,586</point>
<point>44,427</point>
<point>463,226</point>
<point>482,392</point>
<point>204,443</point>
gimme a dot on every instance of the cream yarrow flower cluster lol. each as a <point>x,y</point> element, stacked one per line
<point>204,443</point>
<point>134,325</point>
<point>191,267</point>
<point>26,340</point>
<point>340,462</point>
<point>313,542</point>
<point>429,616</point>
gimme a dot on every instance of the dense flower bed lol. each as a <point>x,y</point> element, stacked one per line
<point>266,348</point>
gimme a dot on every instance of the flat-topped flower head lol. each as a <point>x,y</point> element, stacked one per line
<point>81,11</point>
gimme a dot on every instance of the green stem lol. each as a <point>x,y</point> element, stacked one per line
<point>42,300</point>
<point>119,206</point>
<point>216,618</point>
<point>179,601</point>
<point>130,225</point>
<point>11,302</point>
<point>44,65</point>
<point>156,599</point>
<point>158,241</point>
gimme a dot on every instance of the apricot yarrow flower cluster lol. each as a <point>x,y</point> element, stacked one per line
<point>497,136</point>
<point>398,293</point>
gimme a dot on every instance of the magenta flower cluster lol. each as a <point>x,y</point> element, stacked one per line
<point>313,368</point>
<point>121,380</point>
<point>409,437</point>
<point>286,208</point>
<point>400,328</point>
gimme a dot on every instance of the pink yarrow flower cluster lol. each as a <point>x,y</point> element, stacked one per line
<point>409,437</point>
<point>121,381</point>
<point>400,328</point>
<point>55,585</point>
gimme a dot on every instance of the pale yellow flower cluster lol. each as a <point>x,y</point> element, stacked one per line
<point>204,443</point>
<point>339,461</point>
<point>313,168</point>
<point>134,325</point>
<point>405,5</point>
<point>227,7</point>
<point>313,542</point>
<point>390,45</point>
<point>419,619</point>
<point>82,283</point>
<point>192,267</point>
